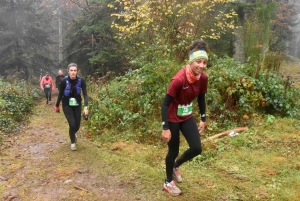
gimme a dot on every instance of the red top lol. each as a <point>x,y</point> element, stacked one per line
<point>184,93</point>
<point>45,81</point>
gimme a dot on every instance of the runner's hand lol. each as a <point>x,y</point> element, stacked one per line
<point>56,109</point>
<point>201,127</point>
<point>166,135</point>
<point>85,111</point>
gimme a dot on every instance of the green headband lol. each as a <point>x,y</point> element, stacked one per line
<point>199,54</point>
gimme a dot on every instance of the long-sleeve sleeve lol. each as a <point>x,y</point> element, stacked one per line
<point>57,81</point>
<point>202,106</point>
<point>84,92</point>
<point>62,86</point>
<point>164,111</point>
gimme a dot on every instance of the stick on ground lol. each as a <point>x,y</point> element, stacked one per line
<point>80,188</point>
<point>225,133</point>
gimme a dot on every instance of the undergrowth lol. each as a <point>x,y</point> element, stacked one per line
<point>16,103</point>
<point>131,103</point>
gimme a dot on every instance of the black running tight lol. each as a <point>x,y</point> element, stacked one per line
<point>190,131</point>
<point>73,115</point>
<point>48,92</point>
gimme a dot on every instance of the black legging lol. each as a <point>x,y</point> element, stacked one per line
<point>73,115</point>
<point>47,92</point>
<point>190,131</point>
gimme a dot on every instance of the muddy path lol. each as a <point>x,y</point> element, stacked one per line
<point>37,164</point>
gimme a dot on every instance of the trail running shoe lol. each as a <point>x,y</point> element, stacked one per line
<point>176,175</point>
<point>172,188</point>
<point>49,103</point>
<point>73,147</point>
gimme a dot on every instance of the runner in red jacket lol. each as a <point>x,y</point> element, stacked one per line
<point>47,86</point>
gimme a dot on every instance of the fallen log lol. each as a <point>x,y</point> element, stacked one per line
<point>225,133</point>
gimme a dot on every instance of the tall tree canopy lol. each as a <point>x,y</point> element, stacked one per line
<point>24,38</point>
<point>91,41</point>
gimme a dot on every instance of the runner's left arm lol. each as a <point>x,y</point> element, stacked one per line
<point>84,92</point>
<point>202,106</point>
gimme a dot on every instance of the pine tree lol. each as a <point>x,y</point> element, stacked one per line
<point>24,38</point>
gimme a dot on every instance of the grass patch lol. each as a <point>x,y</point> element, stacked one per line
<point>260,163</point>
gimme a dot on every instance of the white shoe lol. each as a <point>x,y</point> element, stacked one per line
<point>49,103</point>
<point>171,188</point>
<point>73,147</point>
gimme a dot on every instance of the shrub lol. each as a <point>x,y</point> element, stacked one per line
<point>132,102</point>
<point>279,95</point>
<point>235,94</point>
<point>16,102</point>
<point>231,95</point>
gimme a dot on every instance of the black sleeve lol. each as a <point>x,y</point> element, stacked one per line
<point>84,92</point>
<point>56,81</point>
<point>202,106</point>
<point>62,87</point>
<point>164,111</point>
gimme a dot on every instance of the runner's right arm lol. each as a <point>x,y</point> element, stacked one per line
<point>62,87</point>
<point>164,111</point>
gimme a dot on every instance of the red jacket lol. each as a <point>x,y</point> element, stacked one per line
<point>45,81</point>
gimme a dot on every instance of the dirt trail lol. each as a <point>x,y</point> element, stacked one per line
<point>37,164</point>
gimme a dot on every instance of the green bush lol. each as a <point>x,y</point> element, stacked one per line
<point>279,95</point>
<point>16,102</point>
<point>235,94</point>
<point>132,102</point>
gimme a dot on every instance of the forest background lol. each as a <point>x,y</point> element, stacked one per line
<point>129,50</point>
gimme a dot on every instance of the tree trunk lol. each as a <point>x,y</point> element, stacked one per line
<point>238,43</point>
<point>238,38</point>
<point>60,55</point>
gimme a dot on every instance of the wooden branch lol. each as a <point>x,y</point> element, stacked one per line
<point>80,188</point>
<point>10,198</point>
<point>225,133</point>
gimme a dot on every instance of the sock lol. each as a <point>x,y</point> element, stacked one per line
<point>167,181</point>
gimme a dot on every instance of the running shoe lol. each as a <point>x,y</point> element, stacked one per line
<point>73,147</point>
<point>171,188</point>
<point>177,175</point>
<point>49,102</point>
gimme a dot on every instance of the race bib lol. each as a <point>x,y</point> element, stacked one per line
<point>47,86</point>
<point>185,110</point>
<point>73,102</point>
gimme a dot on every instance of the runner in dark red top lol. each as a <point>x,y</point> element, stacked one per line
<point>189,83</point>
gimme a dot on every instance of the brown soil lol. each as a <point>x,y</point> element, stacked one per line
<point>37,164</point>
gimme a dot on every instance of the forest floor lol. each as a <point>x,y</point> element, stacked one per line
<point>37,164</point>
